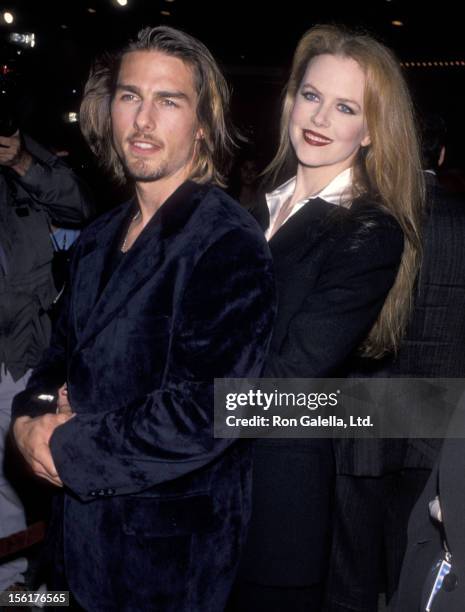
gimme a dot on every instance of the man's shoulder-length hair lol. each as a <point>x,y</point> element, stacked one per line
<point>214,150</point>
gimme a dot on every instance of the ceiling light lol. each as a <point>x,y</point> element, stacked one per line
<point>8,17</point>
<point>397,23</point>
<point>25,40</point>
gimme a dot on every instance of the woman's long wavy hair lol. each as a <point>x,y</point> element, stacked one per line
<point>213,151</point>
<point>389,168</point>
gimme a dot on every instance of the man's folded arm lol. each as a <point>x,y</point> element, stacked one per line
<point>222,329</point>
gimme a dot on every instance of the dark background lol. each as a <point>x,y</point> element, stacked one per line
<point>253,41</point>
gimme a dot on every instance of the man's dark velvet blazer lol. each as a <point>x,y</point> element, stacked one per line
<point>155,508</point>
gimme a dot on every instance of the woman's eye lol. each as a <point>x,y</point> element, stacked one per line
<point>309,95</point>
<point>345,109</point>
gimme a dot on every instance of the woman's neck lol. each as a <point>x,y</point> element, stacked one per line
<point>310,181</point>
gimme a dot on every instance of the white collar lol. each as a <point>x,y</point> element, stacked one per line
<point>338,191</point>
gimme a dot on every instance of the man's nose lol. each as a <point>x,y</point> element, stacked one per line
<point>144,120</point>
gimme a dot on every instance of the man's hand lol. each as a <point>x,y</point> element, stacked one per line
<point>13,154</point>
<point>32,436</point>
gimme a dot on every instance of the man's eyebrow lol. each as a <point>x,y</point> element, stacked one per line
<point>172,94</point>
<point>344,100</point>
<point>127,87</point>
<point>159,94</point>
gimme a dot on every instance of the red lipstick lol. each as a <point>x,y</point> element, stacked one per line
<point>315,139</point>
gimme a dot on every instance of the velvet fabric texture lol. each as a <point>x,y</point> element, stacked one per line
<point>155,509</point>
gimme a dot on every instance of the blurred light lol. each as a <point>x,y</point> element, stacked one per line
<point>167,13</point>
<point>122,2</point>
<point>169,0</point>
<point>8,17</point>
<point>64,26</point>
<point>91,10</point>
<point>74,91</point>
<point>397,23</point>
<point>25,40</point>
<point>72,118</point>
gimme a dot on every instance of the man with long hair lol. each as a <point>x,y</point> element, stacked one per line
<point>166,292</point>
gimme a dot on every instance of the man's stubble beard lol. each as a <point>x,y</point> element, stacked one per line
<point>138,171</point>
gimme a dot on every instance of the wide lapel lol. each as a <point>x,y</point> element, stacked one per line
<point>93,256</point>
<point>301,227</point>
<point>261,213</point>
<point>143,259</point>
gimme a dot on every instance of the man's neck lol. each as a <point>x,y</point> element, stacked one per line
<point>151,195</point>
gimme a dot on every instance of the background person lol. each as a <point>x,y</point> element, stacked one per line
<point>384,478</point>
<point>36,189</point>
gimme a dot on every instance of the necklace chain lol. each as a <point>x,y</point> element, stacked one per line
<point>124,249</point>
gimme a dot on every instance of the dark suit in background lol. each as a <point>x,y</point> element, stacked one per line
<point>334,267</point>
<point>379,481</point>
<point>426,536</point>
